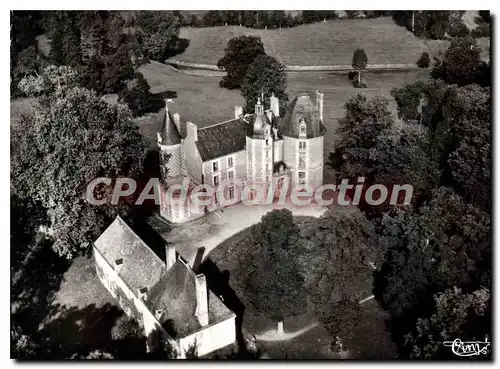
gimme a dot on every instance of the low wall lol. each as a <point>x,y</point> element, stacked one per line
<point>296,68</point>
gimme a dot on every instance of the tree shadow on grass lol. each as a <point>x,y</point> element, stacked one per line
<point>32,294</point>
<point>75,333</point>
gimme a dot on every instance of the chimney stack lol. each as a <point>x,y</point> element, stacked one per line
<point>192,131</point>
<point>201,299</point>
<point>170,256</point>
<point>319,104</point>
<point>238,111</point>
<point>275,105</point>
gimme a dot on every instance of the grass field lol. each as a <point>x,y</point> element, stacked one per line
<point>325,43</point>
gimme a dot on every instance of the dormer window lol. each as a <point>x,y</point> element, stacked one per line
<point>143,292</point>
<point>302,128</point>
<point>158,314</point>
<point>118,265</point>
<point>259,108</point>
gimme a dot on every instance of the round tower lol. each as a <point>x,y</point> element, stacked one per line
<point>169,144</point>
<point>259,147</point>
<point>303,135</point>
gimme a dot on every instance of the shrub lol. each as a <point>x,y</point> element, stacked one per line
<point>458,30</point>
<point>424,61</point>
<point>357,84</point>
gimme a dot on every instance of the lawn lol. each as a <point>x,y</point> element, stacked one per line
<point>324,43</point>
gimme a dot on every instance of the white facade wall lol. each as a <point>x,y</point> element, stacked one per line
<point>313,160</point>
<point>260,159</point>
<point>278,150</point>
<point>210,338</point>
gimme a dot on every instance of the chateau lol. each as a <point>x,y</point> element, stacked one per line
<point>260,148</point>
<point>177,310</point>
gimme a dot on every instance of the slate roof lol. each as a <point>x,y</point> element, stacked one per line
<point>141,266</point>
<point>302,107</point>
<point>222,139</point>
<point>172,291</point>
<point>169,133</point>
<point>256,125</point>
<point>175,295</point>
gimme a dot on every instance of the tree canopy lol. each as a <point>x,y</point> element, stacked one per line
<point>71,138</point>
<point>238,56</point>
<point>265,75</point>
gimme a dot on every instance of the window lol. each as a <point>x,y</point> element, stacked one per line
<point>230,174</point>
<point>302,162</point>
<point>302,128</point>
<point>267,167</point>
<point>267,154</point>
<point>230,161</point>
<point>215,166</point>
<point>231,192</point>
<point>302,178</point>
<point>267,141</point>
<point>302,144</point>
<point>216,180</point>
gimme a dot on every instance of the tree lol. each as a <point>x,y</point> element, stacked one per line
<point>72,138</point>
<point>461,63</point>
<point>456,315</point>
<point>445,243</point>
<point>277,18</point>
<point>138,97</point>
<point>265,75</point>
<point>334,255</point>
<point>405,158</point>
<point>157,33</point>
<point>213,18</point>
<point>424,61</point>
<point>470,158</point>
<point>358,131</point>
<point>275,285</point>
<point>66,39</point>
<point>118,69</point>
<point>359,62</point>
<point>238,55</point>
<point>409,99</point>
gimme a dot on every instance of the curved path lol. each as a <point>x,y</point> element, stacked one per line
<point>274,335</point>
